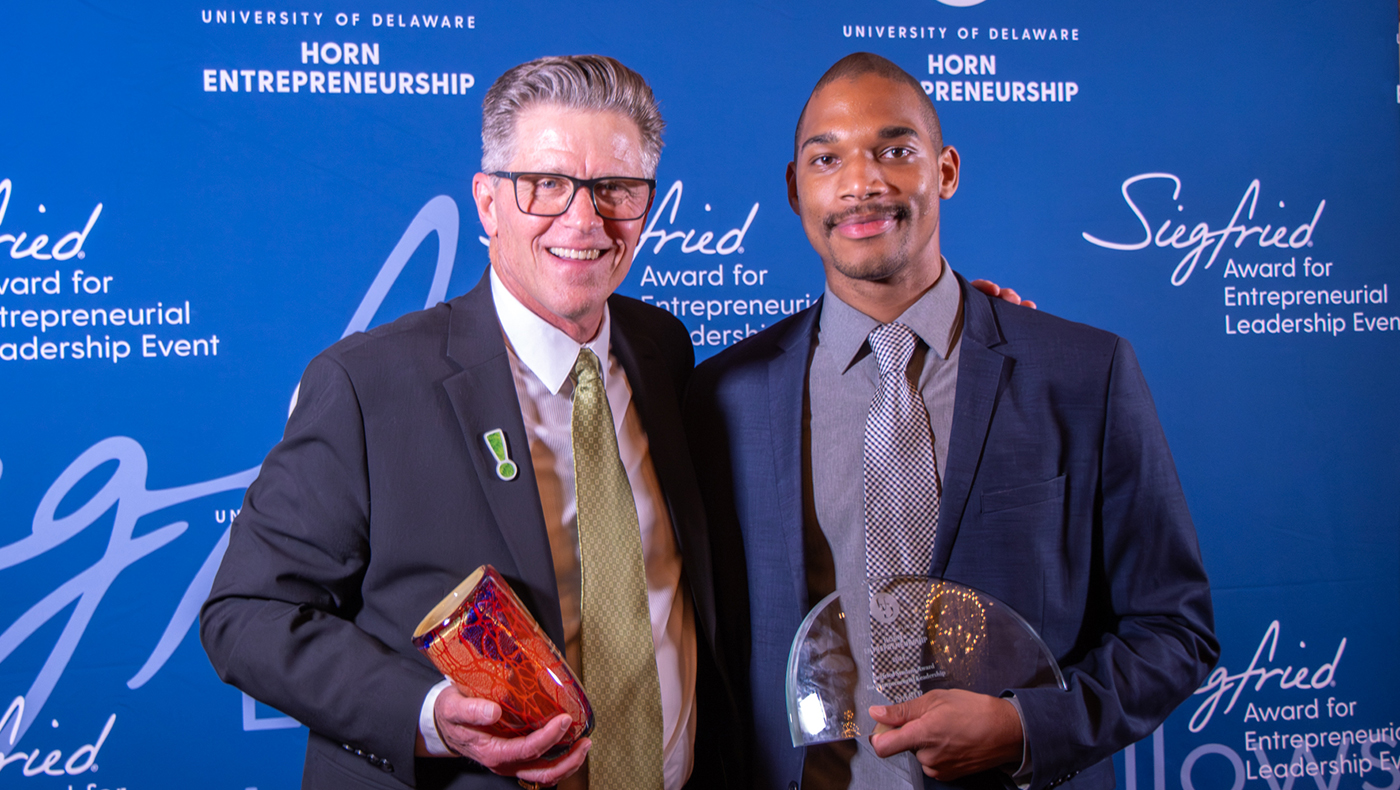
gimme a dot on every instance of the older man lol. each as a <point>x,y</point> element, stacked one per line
<point>384,494</point>
<point>999,447</point>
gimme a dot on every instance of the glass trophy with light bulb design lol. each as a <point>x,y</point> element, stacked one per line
<point>894,638</point>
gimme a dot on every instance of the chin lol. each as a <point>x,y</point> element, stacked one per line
<point>869,269</point>
<point>576,303</point>
<point>579,289</point>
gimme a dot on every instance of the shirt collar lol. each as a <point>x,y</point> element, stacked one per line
<point>543,348</point>
<point>936,318</point>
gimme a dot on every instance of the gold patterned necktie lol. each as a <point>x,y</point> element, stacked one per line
<point>619,660</point>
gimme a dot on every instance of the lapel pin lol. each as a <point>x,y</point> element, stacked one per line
<point>496,441</point>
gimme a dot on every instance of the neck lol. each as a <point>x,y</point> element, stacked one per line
<point>581,331</point>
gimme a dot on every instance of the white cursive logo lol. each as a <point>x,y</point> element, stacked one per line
<point>126,491</point>
<point>84,758</point>
<point>1201,236</point>
<point>1221,681</point>
<point>728,244</point>
<point>67,247</point>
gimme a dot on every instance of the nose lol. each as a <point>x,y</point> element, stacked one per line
<point>581,215</point>
<point>863,178</point>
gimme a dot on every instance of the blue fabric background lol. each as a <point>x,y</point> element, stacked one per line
<point>273,213</point>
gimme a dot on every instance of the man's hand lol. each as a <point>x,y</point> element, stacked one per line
<point>1005,294</point>
<point>459,721</point>
<point>952,733</point>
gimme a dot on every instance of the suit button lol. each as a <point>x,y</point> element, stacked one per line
<point>386,767</point>
<point>792,786</point>
<point>347,747</point>
<point>359,753</point>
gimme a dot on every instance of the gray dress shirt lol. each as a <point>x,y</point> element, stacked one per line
<point>841,382</point>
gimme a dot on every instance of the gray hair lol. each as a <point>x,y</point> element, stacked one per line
<point>583,82</point>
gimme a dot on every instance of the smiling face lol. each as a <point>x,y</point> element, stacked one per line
<point>563,268</point>
<point>866,182</point>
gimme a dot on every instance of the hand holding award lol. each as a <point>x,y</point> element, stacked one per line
<point>892,640</point>
<point>483,639</point>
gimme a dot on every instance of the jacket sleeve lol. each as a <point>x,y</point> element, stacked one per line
<point>280,619</point>
<point>1152,599</point>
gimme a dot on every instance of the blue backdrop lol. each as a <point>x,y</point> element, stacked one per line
<point>194,200</point>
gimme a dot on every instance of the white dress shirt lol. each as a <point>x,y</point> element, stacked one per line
<point>541,361</point>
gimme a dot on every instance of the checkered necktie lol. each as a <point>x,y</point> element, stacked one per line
<point>619,660</point>
<point>901,508</point>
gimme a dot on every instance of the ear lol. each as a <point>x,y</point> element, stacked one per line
<point>485,197</point>
<point>948,168</point>
<point>792,187</point>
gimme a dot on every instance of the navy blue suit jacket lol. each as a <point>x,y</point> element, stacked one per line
<point>383,495</point>
<point>1060,498</point>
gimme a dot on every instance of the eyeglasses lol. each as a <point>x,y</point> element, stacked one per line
<point>550,194</point>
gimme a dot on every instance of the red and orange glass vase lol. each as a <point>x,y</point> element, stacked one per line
<point>483,638</point>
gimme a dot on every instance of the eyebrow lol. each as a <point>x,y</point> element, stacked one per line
<point>892,132</point>
<point>824,138</point>
<point>887,133</point>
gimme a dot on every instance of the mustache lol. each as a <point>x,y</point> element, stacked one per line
<point>894,211</point>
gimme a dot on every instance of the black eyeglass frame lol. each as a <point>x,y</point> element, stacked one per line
<point>578,183</point>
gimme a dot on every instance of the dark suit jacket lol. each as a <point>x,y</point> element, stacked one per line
<point>382,496</point>
<point>1060,498</point>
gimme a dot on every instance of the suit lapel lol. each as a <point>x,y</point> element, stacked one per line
<point>483,397</point>
<point>658,406</point>
<point>787,387</point>
<point>981,373</point>
<point>654,397</point>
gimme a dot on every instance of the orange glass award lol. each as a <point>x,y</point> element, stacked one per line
<point>483,639</point>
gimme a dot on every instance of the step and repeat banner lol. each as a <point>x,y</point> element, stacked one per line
<point>196,199</point>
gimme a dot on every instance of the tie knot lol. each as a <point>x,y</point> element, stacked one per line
<point>587,371</point>
<point>893,345</point>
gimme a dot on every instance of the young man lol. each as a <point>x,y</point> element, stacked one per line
<point>1009,450</point>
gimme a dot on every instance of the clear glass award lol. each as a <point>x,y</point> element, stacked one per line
<point>896,637</point>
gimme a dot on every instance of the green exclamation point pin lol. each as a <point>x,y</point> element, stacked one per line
<point>505,468</point>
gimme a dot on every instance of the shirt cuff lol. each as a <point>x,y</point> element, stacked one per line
<point>432,741</point>
<point>1022,775</point>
